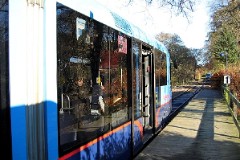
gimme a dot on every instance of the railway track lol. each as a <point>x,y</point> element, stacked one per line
<point>180,100</point>
<point>181,96</point>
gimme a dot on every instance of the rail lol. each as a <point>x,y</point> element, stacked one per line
<point>178,91</point>
<point>181,96</point>
<point>233,106</point>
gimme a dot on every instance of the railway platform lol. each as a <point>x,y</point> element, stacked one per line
<point>203,130</point>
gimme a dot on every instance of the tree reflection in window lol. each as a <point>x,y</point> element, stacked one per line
<point>92,78</point>
<point>161,69</point>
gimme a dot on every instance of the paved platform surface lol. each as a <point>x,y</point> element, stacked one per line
<point>203,130</point>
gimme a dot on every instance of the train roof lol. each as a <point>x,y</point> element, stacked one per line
<point>96,11</point>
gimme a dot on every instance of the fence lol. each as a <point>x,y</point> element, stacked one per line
<point>233,105</point>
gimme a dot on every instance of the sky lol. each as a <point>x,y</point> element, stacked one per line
<point>154,20</point>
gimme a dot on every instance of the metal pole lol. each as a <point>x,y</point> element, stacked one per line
<point>226,61</point>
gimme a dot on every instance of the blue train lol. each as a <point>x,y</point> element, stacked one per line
<point>78,81</point>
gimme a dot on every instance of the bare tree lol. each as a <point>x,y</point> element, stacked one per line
<point>178,6</point>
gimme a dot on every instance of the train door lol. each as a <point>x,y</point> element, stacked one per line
<point>147,107</point>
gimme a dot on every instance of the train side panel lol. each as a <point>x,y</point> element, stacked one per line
<point>112,145</point>
<point>163,110</point>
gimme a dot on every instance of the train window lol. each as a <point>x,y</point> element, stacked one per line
<point>161,68</point>
<point>92,78</point>
<point>4,54</point>
<point>136,73</point>
<point>5,133</point>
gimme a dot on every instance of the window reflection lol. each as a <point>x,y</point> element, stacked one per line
<point>161,69</point>
<point>3,49</point>
<point>92,78</point>
<point>137,72</point>
<point>5,133</point>
<point>160,73</point>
